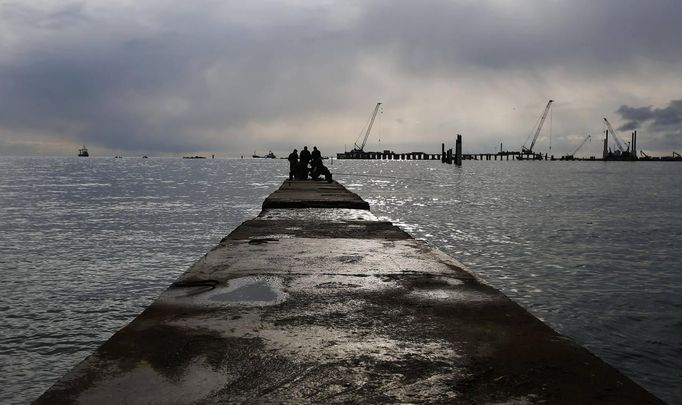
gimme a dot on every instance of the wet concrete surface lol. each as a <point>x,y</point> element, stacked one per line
<point>257,229</point>
<point>314,194</point>
<point>291,310</point>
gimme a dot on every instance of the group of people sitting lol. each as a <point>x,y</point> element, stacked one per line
<point>307,163</point>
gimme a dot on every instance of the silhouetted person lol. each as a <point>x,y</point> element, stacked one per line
<point>293,161</point>
<point>305,156</point>
<point>315,163</point>
<point>316,155</point>
<point>320,170</point>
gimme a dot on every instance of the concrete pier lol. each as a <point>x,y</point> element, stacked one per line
<point>316,300</point>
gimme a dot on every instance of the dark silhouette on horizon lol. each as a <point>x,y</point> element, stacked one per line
<point>307,164</point>
<point>293,162</point>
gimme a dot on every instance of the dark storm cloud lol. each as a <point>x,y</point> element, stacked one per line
<point>174,76</point>
<point>657,118</point>
<point>666,122</point>
<point>634,116</point>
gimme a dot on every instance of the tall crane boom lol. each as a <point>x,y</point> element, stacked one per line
<point>615,135</point>
<point>581,144</point>
<point>361,148</point>
<point>538,129</point>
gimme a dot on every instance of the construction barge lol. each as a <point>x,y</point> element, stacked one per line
<point>620,153</point>
<point>508,155</point>
<point>317,301</point>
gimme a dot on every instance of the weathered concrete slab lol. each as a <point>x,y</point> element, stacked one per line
<point>317,214</point>
<point>272,315</point>
<point>314,194</point>
<point>256,229</point>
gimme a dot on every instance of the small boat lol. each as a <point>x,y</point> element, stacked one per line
<point>194,157</point>
<point>83,152</point>
<point>270,155</point>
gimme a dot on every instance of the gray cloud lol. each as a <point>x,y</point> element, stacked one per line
<point>582,35</point>
<point>657,118</point>
<point>177,76</point>
<point>665,124</point>
<point>135,88</point>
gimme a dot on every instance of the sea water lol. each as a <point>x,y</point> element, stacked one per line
<point>592,248</point>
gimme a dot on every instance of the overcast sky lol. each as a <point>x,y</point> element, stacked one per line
<point>229,77</point>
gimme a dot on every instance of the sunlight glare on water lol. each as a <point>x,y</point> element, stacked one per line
<point>592,248</point>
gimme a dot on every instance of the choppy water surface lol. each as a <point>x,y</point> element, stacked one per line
<point>592,248</point>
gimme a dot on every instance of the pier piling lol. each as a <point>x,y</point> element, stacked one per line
<point>458,150</point>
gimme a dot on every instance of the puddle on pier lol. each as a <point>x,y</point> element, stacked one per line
<point>317,214</point>
<point>258,292</point>
<point>242,291</point>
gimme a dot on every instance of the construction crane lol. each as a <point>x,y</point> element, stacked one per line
<point>581,144</point>
<point>361,148</point>
<point>537,129</point>
<point>615,135</point>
